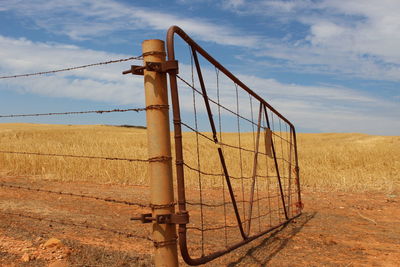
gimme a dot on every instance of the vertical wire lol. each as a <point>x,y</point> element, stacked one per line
<point>295,170</point>
<point>283,177</point>
<point>263,185</point>
<point>288,151</point>
<point>240,153</point>
<point>292,169</point>
<point>198,157</point>
<point>258,202</point>
<point>220,138</point>
<point>254,147</point>
<point>257,183</point>
<point>268,181</point>
<point>277,183</point>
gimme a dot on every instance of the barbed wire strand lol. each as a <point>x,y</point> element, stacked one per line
<point>73,156</point>
<point>73,112</point>
<point>132,235</point>
<point>129,203</point>
<point>71,68</point>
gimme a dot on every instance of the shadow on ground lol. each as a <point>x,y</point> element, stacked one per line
<point>270,246</point>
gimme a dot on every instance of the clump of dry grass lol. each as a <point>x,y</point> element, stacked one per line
<point>327,161</point>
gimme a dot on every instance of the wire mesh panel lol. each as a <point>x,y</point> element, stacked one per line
<point>236,158</point>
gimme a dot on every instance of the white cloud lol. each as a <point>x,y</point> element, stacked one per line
<point>329,109</point>
<point>325,32</point>
<point>373,29</point>
<point>357,38</point>
<point>354,38</point>
<point>233,3</point>
<point>88,19</point>
<point>282,6</point>
<point>102,83</point>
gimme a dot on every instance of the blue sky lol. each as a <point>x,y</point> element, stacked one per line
<point>329,65</point>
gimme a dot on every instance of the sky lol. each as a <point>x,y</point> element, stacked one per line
<point>328,65</point>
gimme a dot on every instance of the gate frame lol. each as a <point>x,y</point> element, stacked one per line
<point>182,230</point>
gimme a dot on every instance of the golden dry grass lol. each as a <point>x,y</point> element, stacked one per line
<point>354,162</point>
<point>99,141</point>
<point>350,161</point>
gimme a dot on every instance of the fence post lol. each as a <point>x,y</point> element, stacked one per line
<point>159,150</point>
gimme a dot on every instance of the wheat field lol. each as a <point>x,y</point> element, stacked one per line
<point>328,161</point>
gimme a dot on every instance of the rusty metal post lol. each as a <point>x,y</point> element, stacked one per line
<point>159,150</point>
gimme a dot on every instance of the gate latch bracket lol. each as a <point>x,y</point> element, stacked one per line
<point>177,218</point>
<point>162,67</point>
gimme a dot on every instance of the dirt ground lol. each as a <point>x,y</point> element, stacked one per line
<point>335,229</point>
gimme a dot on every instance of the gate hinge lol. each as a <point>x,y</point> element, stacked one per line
<point>167,66</point>
<point>177,218</point>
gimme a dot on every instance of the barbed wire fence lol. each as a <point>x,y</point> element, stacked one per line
<point>236,160</point>
<point>12,186</point>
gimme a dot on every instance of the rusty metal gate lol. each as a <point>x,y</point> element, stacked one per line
<point>237,174</point>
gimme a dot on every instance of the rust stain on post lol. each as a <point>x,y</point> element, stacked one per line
<point>159,146</point>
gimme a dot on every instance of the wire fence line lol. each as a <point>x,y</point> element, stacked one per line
<point>74,112</point>
<point>100,111</point>
<point>72,68</point>
<point>111,200</point>
<point>72,222</point>
<point>75,156</point>
<point>80,225</point>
